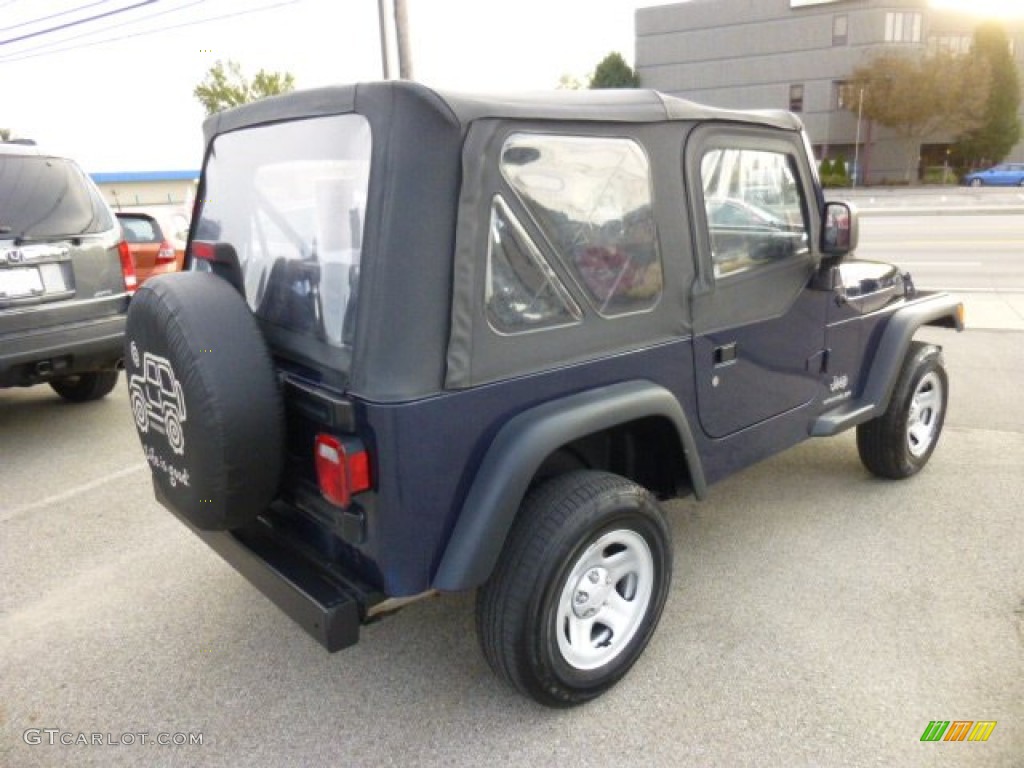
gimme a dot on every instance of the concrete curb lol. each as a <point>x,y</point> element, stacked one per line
<point>932,201</point>
<point>1008,210</point>
<point>995,311</point>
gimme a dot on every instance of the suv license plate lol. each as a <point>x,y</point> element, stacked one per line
<point>53,278</point>
<point>21,281</point>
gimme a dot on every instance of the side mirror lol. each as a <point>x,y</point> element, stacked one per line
<point>841,230</point>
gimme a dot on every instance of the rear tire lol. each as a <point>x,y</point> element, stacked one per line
<point>976,182</point>
<point>899,443</point>
<point>578,590</point>
<point>85,386</point>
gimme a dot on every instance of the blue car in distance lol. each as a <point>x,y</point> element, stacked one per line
<point>1002,175</point>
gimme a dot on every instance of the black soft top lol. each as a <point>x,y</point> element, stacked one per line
<point>427,215</point>
<point>460,109</point>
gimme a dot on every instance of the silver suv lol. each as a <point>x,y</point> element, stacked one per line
<point>66,276</point>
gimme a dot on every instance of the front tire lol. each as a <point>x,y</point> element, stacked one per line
<point>899,443</point>
<point>578,590</point>
<point>976,182</point>
<point>85,386</point>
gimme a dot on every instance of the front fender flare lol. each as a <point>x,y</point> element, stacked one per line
<point>517,452</point>
<point>888,362</point>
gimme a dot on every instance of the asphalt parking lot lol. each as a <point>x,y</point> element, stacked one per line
<point>818,617</point>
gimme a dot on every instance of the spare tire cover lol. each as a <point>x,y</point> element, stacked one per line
<point>204,398</point>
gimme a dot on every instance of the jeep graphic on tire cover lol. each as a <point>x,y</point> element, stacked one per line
<point>157,399</point>
<point>204,399</point>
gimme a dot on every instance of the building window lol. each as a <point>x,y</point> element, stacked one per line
<point>840,26</point>
<point>902,27</point>
<point>796,98</point>
<point>845,96</point>
<point>954,44</point>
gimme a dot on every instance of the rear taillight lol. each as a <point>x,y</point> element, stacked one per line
<point>131,281</point>
<point>341,469</point>
<point>202,249</point>
<point>166,253</point>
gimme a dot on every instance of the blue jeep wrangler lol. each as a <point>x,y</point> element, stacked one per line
<point>431,342</point>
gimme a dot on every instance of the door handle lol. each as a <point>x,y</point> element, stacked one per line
<point>725,354</point>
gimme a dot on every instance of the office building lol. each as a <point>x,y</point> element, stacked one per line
<point>798,55</point>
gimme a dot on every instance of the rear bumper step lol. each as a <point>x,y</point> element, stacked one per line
<point>327,606</point>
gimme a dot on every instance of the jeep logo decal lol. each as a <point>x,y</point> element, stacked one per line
<point>156,398</point>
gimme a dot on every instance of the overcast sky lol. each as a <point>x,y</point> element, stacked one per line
<point>127,104</point>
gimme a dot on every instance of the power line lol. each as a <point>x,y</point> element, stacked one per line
<point>143,33</point>
<point>76,23</point>
<point>94,32</point>
<point>54,15</point>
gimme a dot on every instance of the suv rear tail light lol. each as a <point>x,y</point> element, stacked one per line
<point>341,470</point>
<point>166,253</point>
<point>131,281</point>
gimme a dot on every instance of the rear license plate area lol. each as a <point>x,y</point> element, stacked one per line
<point>35,281</point>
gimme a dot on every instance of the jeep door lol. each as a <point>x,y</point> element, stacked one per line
<point>758,325</point>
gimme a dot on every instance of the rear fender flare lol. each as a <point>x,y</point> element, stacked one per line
<point>517,452</point>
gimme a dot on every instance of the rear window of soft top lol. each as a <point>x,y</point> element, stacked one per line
<point>290,198</point>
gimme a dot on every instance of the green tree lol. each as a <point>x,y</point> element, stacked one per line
<point>614,72</point>
<point>569,82</point>
<point>833,172</point>
<point>920,97</point>
<point>1000,129</point>
<point>225,86</point>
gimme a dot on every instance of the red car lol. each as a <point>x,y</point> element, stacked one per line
<point>156,241</point>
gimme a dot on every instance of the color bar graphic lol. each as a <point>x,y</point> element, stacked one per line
<point>958,730</point>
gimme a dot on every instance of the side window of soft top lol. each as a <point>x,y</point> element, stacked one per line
<point>523,292</point>
<point>591,197</point>
<point>756,214</point>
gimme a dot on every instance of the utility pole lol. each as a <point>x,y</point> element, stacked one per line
<point>394,35</point>
<point>856,142</point>
<point>385,24</point>
<point>404,43</point>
